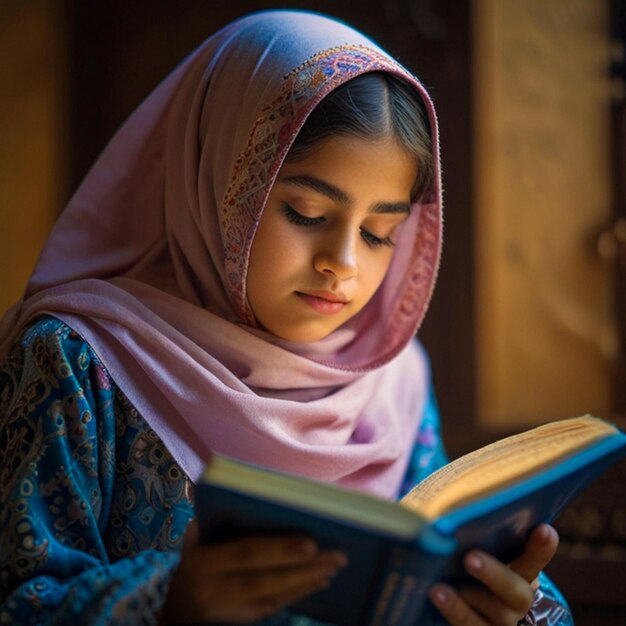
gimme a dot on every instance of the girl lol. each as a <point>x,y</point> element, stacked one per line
<point>242,271</point>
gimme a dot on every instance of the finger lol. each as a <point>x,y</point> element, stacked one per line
<point>252,610</point>
<point>453,608</point>
<point>191,534</point>
<point>540,548</point>
<point>510,589</point>
<point>239,596</point>
<point>254,553</point>
<point>489,606</point>
<point>257,585</point>
<point>270,605</point>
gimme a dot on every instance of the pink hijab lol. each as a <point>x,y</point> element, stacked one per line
<point>148,263</point>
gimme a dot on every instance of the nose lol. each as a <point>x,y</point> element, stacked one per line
<point>337,256</point>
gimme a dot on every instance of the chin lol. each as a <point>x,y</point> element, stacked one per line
<point>303,335</point>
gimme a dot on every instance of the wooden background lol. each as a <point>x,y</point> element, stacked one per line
<point>71,72</point>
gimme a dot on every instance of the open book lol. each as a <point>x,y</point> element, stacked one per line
<point>490,498</point>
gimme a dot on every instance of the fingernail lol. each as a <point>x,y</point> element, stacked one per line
<point>330,572</point>
<point>340,558</point>
<point>323,583</point>
<point>335,558</point>
<point>305,547</point>
<point>473,562</point>
<point>440,596</point>
<point>546,533</point>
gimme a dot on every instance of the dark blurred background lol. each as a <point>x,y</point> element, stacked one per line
<point>528,320</point>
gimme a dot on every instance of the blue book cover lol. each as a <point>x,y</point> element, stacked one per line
<point>490,499</point>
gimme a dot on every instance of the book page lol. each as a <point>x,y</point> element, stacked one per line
<point>503,463</point>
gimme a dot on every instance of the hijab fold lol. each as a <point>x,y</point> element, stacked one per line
<point>148,262</point>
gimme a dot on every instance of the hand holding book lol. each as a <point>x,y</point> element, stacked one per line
<point>246,579</point>
<point>489,500</point>
<point>506,593</point>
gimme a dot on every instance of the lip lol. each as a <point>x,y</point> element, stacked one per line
<point>326,295</point>
<point>324,302</point>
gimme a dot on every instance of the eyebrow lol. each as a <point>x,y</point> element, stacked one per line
<point>338,195</point>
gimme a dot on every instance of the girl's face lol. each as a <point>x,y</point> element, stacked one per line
<point>326,236</point>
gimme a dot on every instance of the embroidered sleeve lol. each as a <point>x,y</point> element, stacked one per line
<point>550,608</point>
<point>428,451</point>
<point>57,436</point>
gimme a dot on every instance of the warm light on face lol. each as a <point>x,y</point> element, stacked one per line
<point>326,237</point>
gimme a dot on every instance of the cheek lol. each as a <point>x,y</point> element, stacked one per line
<point>273,249</point>
<point>377,269</point>
<point>273,253</point>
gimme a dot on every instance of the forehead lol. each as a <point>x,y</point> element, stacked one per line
<point>350,166</point>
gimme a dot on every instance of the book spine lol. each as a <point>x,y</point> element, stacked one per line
<point>400,597</point>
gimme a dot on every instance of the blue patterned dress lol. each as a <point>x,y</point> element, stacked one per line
<point>92,505</point>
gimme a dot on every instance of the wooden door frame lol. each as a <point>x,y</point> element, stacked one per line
<point>618,149</point>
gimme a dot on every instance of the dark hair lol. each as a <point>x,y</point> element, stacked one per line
<point>370,106</point>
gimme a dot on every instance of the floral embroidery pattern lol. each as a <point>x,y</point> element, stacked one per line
<point>277,125</point>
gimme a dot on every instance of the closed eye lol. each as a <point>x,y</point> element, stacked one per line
<point>373,241</point>
<point>298,219</point>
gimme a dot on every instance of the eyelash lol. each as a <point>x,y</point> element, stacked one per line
<point>301,220</point>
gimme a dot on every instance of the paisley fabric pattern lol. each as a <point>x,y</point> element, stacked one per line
<point>92,505</point>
